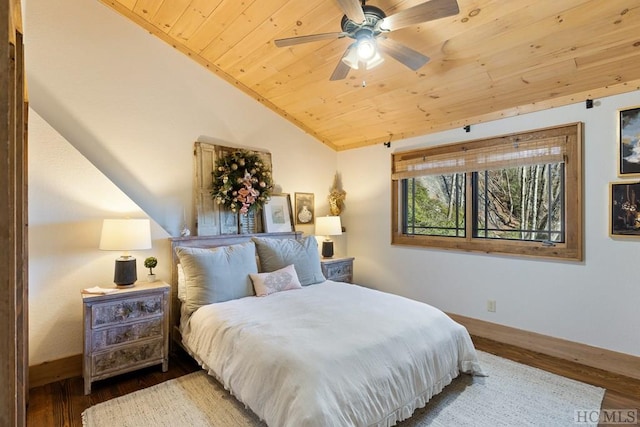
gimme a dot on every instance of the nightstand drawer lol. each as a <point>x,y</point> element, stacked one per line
<point>122,358</point>
<point>337,269</point>
<point>125,310</point>
<point>103,338</point>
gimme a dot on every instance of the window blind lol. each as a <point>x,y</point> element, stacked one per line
<point>467,157</point>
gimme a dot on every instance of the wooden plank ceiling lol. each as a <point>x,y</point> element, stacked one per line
<point>494,59</point>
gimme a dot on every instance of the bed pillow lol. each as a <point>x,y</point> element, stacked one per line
<point>275,254</point>
<point>217,274</point>
<point>284,279</point>
<point>182,284</point>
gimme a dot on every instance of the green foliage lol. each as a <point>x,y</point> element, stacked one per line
<point>241,181</point>
<point>519,203</point>
<point>150,263</point>
<point>435,205</point>
<point>522,203</point>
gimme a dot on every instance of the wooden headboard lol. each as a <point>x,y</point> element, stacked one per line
<point>206,242</point>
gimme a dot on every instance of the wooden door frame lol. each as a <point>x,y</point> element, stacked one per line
<point>13,220</point>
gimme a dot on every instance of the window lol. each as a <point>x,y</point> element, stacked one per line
<point>515,194</point>
<point>434,205</point>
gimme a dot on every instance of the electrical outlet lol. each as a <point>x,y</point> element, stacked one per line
<point>491,305</point>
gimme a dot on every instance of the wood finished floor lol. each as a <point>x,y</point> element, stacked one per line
<point>62,403</point>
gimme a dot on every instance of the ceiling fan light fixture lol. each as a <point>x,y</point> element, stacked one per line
<point>375,61</point>
<point>353,60</point>
<point>366,48</point>
<point>351,57</point>
<point>365,24</point>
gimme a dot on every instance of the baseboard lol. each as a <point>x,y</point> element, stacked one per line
<point>55,370</point>
<point>611,361</point>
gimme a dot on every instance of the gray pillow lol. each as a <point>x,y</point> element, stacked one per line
<point>275,254</point>
<point>217,274</point>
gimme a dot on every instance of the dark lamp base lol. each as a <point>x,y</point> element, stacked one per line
<point>126,273</point>
<point>327,249</point>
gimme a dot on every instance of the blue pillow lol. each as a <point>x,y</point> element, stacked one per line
<point>217,274</point>
<point>275,254</point>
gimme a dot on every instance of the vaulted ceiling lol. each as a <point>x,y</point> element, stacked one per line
<point>495,58</point>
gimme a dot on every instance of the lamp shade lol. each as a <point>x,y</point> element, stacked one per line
<point>328,226</point>
<point>125,235</point>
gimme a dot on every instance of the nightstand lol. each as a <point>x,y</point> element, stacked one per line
<point>338,269</point>
<point>125,330</point>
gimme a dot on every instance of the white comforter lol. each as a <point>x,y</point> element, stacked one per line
<point>331,354</point>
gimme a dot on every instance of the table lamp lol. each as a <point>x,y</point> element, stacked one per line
<point>125,235</point>
<point>328,226</point>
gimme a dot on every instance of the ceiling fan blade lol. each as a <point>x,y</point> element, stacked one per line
<point>341,70</point>
<point>423,12</point>
<point>353,10</point>
<point>306,39</point>
<point>407,56</point>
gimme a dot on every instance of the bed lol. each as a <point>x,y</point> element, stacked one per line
<point>309,352</point>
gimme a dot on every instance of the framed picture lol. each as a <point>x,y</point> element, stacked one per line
<point>228,222</point>
<point>305,209</point>
<point>277,214</point>
<point>625,209</point>
<point>629,142</point>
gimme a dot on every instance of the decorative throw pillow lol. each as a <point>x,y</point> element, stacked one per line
<point>217,274</point>
<point>284,279</point>
<point>275,254</point>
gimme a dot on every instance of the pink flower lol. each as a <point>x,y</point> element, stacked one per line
<point>247,196</point>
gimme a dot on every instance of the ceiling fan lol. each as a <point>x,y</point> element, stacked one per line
<point>368,26</point>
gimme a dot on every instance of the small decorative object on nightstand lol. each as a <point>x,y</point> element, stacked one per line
<point>151,263</point>
<point>338,269</point>
<point>125,330</point>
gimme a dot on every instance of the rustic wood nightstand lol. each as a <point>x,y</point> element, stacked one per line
<point>125,330</point>
<point>338,269</point>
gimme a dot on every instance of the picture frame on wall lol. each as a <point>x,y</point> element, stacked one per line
<point>228,222</point>
<point>624,201</point>
<point>305,209</point>
<point>629,142</point>
<point>277,215</point>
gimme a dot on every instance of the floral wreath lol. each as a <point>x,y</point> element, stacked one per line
<point>241,182</point>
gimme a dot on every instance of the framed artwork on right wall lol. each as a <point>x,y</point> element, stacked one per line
<point>629,142</point>
<point>624,209</point>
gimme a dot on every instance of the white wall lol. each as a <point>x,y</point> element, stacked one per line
<point>594,302</point>
<point>68,199</point>
<point>115,113</point>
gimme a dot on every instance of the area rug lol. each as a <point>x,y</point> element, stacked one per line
<point>511,395</point>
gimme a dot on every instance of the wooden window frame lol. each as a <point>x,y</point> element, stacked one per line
<point>571,249</point>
